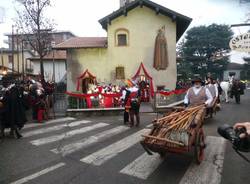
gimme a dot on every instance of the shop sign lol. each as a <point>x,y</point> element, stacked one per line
<point>240,43</point>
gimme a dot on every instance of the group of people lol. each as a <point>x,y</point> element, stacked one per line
<point>200,93</point>
<point>110,88</point>
<point>210,90</point>
<point>131,98</point>
<point>17,96</point>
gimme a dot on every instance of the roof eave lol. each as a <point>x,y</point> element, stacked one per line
<point>182,21</point>
<point>65,48</point>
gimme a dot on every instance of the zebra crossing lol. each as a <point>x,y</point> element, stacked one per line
<point>141,167</point>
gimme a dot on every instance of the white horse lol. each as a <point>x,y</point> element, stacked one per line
<point>226,87</point>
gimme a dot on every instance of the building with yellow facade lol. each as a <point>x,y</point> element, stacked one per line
<point>16,61</point>
<point>131,40</point>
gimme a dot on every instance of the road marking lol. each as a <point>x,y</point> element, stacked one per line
<point>143,166</point>
<point>114,149</point>
<point>65,135</point>
<point>54,128</point>
<point>40,173</point>
<point>70,148</point>
<point>32,125</point>
<point>210,170</point>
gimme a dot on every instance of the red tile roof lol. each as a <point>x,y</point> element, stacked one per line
<point>58,55</point>
<point>83,42</point>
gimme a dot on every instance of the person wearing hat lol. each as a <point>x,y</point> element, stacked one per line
<point>198,94</point>
<point>237,90</point>
<point>213,89</point>
<point>132,102</point>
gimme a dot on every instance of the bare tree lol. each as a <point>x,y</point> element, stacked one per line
<point>35,27</point>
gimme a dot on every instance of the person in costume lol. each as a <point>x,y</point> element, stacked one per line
<point>132,102</point>
<point>198,94</point>
<point>125,95</point>
<point>213,89</point>
<point>237,90</point>
<point>13,113</point>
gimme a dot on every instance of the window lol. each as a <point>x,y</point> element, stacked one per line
<point>122,37</point>
<point>120,74</point>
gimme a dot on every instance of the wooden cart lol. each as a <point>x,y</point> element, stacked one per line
<point>176,134</point>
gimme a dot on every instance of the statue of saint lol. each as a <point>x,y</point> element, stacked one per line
<point>161,52</point>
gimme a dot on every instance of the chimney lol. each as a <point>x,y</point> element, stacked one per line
<point>124,2</point>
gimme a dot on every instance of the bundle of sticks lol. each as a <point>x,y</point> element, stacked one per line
<point>174,128</point>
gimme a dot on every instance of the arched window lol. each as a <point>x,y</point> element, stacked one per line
<point>122,37</point>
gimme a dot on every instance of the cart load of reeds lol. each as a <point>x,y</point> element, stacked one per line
<point>176,128</point>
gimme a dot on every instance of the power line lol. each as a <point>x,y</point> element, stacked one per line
<point>240,25</point>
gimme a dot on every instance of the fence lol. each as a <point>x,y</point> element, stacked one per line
<point>163,99</point>
<point>76,101</point>
<point>60,104</point>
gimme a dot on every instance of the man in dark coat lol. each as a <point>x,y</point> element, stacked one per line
<point>237,90</point>
<point>125,96</point>
<point>13,115</point>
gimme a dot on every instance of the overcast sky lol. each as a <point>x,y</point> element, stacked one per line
<point>81,16</point>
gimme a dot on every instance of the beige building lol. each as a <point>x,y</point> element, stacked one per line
<point>20,60</point>
<point>130,41</point>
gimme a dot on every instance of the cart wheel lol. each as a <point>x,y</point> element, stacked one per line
<point>199,146</point>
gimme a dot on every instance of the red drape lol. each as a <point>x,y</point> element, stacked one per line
<point>81,95</point>
<point>108,98</point>
<point>147,75</point>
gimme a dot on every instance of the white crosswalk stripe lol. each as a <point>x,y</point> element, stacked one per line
<point>65,135</point>
<point>70,148</point>
<point>143,166</point>
<point>40,173</point>
<point>210,170</point>
<point>32,125</point>
<point>54,128</point>
<point>114,149</point>
<point>211,167</point>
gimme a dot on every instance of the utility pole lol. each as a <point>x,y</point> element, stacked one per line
<point>2,14</point>
<point>53,52</point>
<point>22,59</point>
<point>12,48</point>
<point>2,57</point>
<point>17,47</point>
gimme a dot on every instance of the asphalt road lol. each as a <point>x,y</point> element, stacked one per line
<point>100,150</point>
